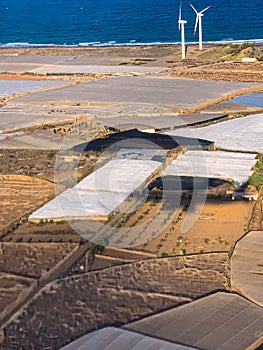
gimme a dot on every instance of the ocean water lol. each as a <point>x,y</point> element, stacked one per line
<point>112,22</point>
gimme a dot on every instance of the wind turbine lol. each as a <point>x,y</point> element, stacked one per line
<point>198,20</point>
<point>181,23</point>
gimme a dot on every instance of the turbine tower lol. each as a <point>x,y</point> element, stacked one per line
<point>181,23</point>
<point>198,21</point>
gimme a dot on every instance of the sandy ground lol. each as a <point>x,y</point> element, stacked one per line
<point>218,227</point>
<point>198,63</point>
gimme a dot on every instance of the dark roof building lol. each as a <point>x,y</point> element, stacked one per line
<point>247,266</point>
<point>137,139</point>
<point>120,339</point>
<point>221,321</point>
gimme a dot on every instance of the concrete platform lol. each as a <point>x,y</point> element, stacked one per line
<point>18,68</point>
<point>72,65</point>
<point>155,91</point>
<point>96,69</point>
<point>43,139</point>
<point>247,266</point>
<point>24,59</point>
<point>98,59</point>
<point>10,121</point>
<point>10,87</point>
<point>25,64</point>
<point>159,123</point>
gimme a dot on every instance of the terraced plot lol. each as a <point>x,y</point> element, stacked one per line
<point>20,195</point>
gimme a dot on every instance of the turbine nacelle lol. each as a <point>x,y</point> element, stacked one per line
<point>198,21</point>
<point>200,12</point>
<point>182,21</point>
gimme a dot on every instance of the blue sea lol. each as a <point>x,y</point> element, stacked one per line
<point>115,22</point>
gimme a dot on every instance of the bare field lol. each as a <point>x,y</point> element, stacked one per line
<point>138,89</point>
<point>44,233</point>
<point>220,224</point>
<point>41,163</point>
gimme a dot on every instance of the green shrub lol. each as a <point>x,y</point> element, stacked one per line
<point>257,178</point>
<point>97,248</point>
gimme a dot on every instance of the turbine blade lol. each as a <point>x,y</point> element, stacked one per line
<point>208,7</point>
<point>196,24</point>
<point>195,10</point>
<point>180,11</point>
<point>180,15</point>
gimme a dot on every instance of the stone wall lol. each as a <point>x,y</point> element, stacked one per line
<point>32,259</point>
<point>70,307</point>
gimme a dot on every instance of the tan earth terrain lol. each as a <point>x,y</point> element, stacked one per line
<point>50,271</point>
<point>221,62</point>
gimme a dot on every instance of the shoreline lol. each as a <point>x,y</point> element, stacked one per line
<point>16,45</point>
